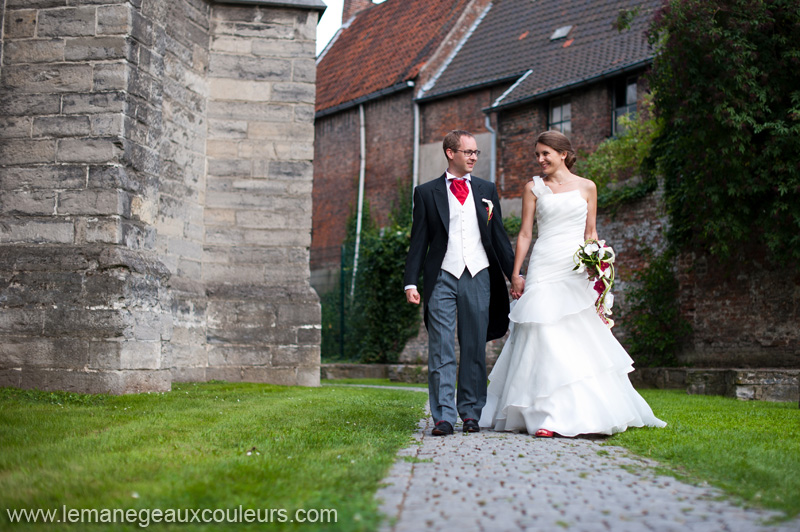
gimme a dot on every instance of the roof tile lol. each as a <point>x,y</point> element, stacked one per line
<point>384,45</point>
<point>496,52</point>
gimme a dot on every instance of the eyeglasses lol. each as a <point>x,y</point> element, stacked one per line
<point>470,153</point>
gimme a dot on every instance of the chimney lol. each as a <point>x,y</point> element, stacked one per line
<point>351,8</point>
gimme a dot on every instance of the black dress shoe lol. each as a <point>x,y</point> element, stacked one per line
<point>471,425</point>
<point>442,428</point>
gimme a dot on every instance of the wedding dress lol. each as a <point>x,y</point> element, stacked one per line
<point>561,369</point>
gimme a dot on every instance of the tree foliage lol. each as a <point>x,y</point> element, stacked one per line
<point>726,84</point>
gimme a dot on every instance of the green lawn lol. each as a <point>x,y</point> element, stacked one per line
<point>750,449</point>
<point>204,446</point>
<point>224,446</point>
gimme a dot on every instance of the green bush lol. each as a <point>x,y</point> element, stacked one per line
<point>620,166</point>
<point>653,317</point>
<point>512,224</point>
<point>377,319</point>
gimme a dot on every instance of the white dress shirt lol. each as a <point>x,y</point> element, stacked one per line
<point>464,245</point>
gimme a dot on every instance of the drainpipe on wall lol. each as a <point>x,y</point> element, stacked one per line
<point>361,173</point>
<point>415,172</point>
<point>492,151</point>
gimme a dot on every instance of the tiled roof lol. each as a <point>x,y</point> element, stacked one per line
<point>385,45</point>
<point>514,38</point>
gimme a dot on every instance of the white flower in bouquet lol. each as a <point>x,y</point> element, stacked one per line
<point>597,260</point>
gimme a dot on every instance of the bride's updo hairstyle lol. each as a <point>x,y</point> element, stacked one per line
<point>559,142</point>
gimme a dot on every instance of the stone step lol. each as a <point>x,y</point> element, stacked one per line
<point>764,384</point>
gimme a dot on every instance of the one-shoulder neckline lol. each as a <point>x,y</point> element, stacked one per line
<point>550,190</point>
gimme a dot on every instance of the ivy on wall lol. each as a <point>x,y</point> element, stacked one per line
<point>725,79</point>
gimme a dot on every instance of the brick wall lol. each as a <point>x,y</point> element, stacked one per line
<point>114,243</point>
<point>389,132</point>
<point>740,318</point>
<point>336,167</point>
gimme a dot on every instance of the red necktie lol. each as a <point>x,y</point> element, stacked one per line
<point>459,189</point>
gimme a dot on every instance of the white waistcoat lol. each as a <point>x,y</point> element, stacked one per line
<point>464,246</point>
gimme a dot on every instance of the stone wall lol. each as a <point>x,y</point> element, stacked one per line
<point>151,229</point>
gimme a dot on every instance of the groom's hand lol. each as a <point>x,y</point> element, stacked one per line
<point>412,296</point>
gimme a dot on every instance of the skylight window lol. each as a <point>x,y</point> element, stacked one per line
<point>560,33</point>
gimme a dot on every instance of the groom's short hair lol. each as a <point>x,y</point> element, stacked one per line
<point>452,141</point>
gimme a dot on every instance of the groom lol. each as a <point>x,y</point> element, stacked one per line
<point>458,237</point>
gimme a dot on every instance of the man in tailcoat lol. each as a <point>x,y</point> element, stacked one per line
<point>458,239</point>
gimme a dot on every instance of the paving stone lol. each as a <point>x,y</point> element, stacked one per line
<point>493,481</point>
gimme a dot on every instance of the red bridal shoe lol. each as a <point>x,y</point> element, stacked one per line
<point>544,433</point>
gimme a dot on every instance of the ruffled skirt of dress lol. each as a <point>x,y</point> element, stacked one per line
<point>562,369</point>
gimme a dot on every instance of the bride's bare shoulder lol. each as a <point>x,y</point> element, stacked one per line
<point>587,184</point>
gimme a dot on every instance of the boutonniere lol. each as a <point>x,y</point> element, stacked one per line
<point>489,208</point>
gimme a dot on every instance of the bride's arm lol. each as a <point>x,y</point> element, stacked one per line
<point>524,238</point>
<point>591,216</point>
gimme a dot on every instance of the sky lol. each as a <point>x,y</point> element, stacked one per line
<point>330,22</point>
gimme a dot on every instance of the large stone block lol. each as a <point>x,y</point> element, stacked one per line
<point>281,48</point>
<point>109,76</point>
<point>37,231</point>
<point>113,19</point>
<point>281,131</point>
<point>42,177</point>
<point>248,68</point>
<point>35,202</point>
<point>21,321</point>
<point>105,102</point>
<point>15,104</point>
<point>230,167</point>
<point>67,22</point>
<point>18,151</point>
<point>61,126</point>
<point>40,289</point>
<point>231,110</point>
<point>297,314</point>
<point>20,23</point>
<point>236,356</point>
<point>227,129</point>
<point>88,150</point>
<point>95,48</point>
<point>22,351</point>
<point>15,127</point>
<point>34,51</point>
<point>94,202</point>
<point>294,92</point>
<point>299,355</point>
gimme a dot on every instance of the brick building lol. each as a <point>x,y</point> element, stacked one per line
<point>155,193</point>
<point>507,70</point>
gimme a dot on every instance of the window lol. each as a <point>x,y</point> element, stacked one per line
<point>561,115</point>
<point>624,102</point>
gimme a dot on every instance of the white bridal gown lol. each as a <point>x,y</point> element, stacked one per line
<point>561,368</point>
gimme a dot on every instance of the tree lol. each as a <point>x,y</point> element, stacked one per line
<point>726,83</point>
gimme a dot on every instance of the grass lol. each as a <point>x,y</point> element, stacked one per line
<point>374,382</point>
<point>211,445</point>
<point>750,449</point>
<point>321,448</point>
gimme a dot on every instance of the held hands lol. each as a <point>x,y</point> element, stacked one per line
<point>412,296</point>
<point>517,286</point>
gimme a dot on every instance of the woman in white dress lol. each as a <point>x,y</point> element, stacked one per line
<point>561,370</point>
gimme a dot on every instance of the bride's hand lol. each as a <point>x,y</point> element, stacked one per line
<point>517,286</point>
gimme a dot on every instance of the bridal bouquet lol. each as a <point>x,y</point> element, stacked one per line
<point>597,259</point>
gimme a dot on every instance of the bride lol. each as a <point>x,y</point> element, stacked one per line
<point>561,370</point>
